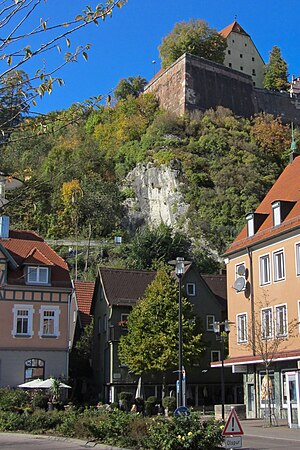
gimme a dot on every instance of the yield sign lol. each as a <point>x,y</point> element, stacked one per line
<point>233,426</point>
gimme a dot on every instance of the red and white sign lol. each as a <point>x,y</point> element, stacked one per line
<point>233,426</point>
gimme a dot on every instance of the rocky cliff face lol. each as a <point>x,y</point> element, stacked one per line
<point>156,196</point>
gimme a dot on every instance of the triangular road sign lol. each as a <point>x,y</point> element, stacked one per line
<point>233,426</point>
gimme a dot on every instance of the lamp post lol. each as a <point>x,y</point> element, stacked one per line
<point>179,264</point>
<point>222,330</point>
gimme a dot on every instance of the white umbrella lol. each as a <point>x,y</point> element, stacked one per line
<point>47,384</point>
<point>33,384</point>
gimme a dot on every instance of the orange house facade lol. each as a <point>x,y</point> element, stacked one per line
<point>263,288</point>
<point>35,290</point>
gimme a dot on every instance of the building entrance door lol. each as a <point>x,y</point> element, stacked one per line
<point>293,399</point>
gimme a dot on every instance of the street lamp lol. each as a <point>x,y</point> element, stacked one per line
<point>222,330</point>
<point>179,264</point>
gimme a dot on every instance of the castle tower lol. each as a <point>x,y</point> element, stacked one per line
<point>242,54</point>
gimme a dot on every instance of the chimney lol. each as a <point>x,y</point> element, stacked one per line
<point>4,227</point>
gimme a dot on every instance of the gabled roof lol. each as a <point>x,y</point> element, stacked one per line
<point>27,246</point>
<point>124,287</point>
<point>233,27</point>
<point>36,257</point>
<point>286,188</point>
<point>217,284</point>
<point>84,294</point>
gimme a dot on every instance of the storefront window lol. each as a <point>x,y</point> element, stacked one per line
<point>267,391</point>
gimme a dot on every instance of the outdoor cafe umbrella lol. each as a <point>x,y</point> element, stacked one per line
<point>33,384</point>
<point>138,393</point>
<point>47,384</point>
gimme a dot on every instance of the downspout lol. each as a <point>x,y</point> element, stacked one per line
<point>249,251</point>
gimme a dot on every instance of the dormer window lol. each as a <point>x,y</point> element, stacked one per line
<point>37,275</point>
<point>276,213</point>
<point>250,225</point>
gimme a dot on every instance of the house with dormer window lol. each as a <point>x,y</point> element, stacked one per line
<point>263,290</point>
<point>35,289</point>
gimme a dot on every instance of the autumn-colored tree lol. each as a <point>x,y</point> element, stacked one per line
<point>151,343</point>
<point>129,86</point>
<point>276,73</point>
<point>194,37</point>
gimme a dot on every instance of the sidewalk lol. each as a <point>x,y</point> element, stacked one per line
<point>255,427</point>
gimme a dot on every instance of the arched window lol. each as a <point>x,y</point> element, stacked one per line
<point>34,368</point>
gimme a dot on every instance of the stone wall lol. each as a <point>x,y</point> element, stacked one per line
<point>196,84</point>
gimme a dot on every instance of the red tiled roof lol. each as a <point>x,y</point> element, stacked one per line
<point>125,287</point>
<point>37,257</point>
<point>27,244</point>
<point>235,27</point>
<point>286,188</point>
<point>84,294</point>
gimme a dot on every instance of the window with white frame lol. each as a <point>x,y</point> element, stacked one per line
<point>242,328</point>
<point>264,267</point>
<point>210,319</point>
<point>190,289</point>
<point>297,251</point>
<point>278,262</point>
<point>215,355</point>
<point>276,213</point>
<point>281,320</point>
<point>37,275</point>
<point>49,321</point>
<point>22,321</point>
<point>267,323</point>
<point>250,224</point>
<point>284,386</point>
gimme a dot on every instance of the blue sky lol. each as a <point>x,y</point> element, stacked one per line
<point>127,44</point>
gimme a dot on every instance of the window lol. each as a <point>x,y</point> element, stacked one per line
<point>278,261</point>
<point>37,275</point>
<point>229,52</point>
<point>266,323</point>
<point>297,251</point>
<point>241,68</point>
<point>215,356</point>
<point>191,289</point>
<point>242,332</point>
<point>230,65</point>
<point>276,213</point>
<point>49,321</point>
<point>253,72</point>
<point>284,386</point>
<point>34,368</point>
<point>241,55</point>
<point>250,225</point>
<point>210,319</point>
<point>22,320</point>
<point>281,320</point>
<point>264,267</point>
<point>124,317</point>
<point>253,59</point>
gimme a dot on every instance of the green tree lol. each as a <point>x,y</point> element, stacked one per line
<point>129,86</point>
<point>153,246</point>
<point>276,73</point>
<point>194,37</point>
<point>151,343</point>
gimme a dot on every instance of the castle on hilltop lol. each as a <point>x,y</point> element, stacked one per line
<point>193,83</point>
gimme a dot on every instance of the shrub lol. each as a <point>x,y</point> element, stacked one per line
<point>125,400</point>
<point>183,432</point>
<point>170,403</point>
<point>150,406</point>
<point>40,401</point>
<point>13,399</point>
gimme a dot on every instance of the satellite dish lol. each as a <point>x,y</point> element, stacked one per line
<point>241,270</point>
<point>239,284</point>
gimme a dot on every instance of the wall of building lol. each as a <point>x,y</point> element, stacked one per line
<point>196,84</point>
<point>242,55</point>
<point>12,364</point>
